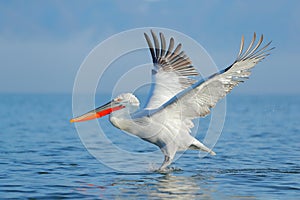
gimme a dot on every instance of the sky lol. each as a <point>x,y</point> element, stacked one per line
<point>43,43</point>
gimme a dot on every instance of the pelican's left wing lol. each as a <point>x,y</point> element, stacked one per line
<point>173,70</point>
<point>197,100</point>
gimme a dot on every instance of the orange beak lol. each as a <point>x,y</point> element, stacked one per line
<point>99,112</point>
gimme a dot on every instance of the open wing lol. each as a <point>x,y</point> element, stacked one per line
<point>199,98</point>
<point>172,73</point>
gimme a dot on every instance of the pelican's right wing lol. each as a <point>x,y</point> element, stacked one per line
<point>172,73</point>
<point>197,100</point>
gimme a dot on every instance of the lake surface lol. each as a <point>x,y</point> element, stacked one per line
<point>42,156</point>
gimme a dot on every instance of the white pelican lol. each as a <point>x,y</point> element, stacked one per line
<point>177,97</point>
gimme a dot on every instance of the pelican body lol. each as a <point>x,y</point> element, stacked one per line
<point>177,97</point>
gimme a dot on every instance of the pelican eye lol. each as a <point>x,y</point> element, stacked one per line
<point>118,99</point>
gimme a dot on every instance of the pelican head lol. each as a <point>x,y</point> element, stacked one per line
<point>121,105</point>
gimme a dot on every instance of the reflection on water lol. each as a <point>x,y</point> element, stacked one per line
<point>42,156</point>
<point>153,186</point>
<point>199,184</point>
<point>180,187</point>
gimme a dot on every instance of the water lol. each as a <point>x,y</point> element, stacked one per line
<point>257,155</point>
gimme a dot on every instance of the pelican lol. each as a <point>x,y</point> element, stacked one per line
<point>178,96</point>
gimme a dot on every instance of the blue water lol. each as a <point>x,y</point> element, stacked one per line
<point>258,155</point>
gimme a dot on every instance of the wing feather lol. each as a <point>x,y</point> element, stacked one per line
<point>173,73</point>
<point>198,99</point>
<point>163,44</point>
<point>171,46</point>
<point>156,44</point>
<point>150,47</point>
<point>241,46</point>
<point>250,46</point>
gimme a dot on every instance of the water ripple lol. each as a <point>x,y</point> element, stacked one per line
<point>257,156</point>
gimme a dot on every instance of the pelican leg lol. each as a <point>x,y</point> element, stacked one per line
<point>197,145</point>
<point>166,163</point>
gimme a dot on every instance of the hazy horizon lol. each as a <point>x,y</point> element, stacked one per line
<point>43,43</point>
